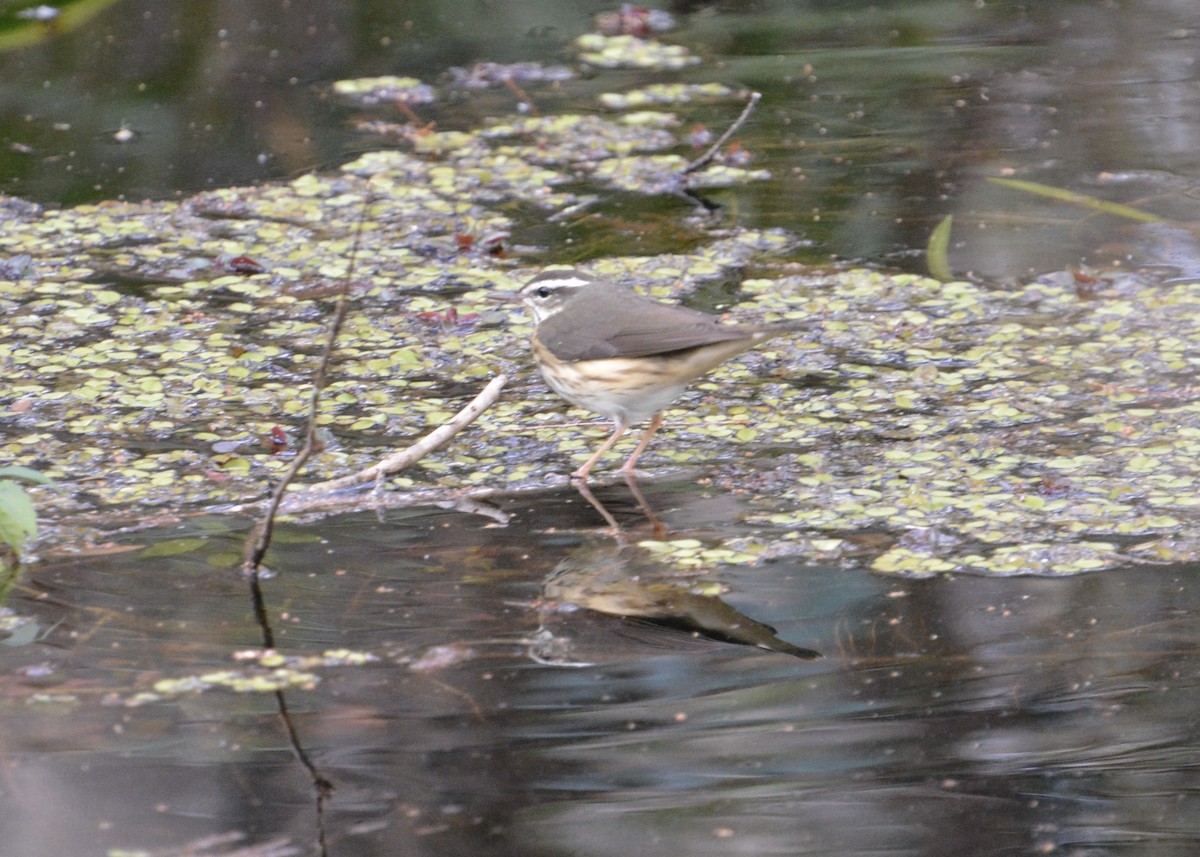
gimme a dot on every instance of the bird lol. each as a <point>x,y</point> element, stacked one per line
<point>607,349</point>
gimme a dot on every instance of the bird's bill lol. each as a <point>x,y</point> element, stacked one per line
<point>510,298</point>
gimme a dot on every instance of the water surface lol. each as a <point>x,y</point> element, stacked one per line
<point>985,716</point>
<point>948,716</point>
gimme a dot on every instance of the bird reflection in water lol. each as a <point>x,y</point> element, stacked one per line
<point>606,576</point>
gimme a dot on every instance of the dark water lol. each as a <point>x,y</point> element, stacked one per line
<point>948,716</point>
<point>877,120</point>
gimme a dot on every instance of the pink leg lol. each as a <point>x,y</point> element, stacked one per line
<point>583,470</point>
<point>627,467</point>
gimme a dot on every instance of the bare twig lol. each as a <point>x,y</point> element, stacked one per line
<point>259,538</point>
<point>705,159</point>
<point>437,438</point>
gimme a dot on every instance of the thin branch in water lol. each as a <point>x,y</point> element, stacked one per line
<point>260,613</point>
<point>259,538</point>
<point>321,784</point>
<point>705,159</point>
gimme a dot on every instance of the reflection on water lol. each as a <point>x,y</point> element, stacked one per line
<point>956,716</point>
<point>609,576</point>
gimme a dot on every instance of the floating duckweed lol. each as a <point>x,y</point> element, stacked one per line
<point>691,553</point>
<point>240,682</point>
<point>720,175</point>
<point>1048,559</point>
<point>632,52</point>
<point>665,94</point>
<point>371,91</point>
<point>911,563</point>
<point>651,119</point>
<point>1003,418</point>
<point>1142,464</point>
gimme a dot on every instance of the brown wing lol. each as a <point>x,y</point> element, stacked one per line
<point>610,321</point>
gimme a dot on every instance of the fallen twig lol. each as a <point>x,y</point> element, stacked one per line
<point>437,438</point>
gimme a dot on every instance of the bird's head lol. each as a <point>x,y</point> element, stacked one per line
<point>548,292</point>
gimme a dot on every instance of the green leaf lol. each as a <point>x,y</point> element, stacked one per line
<point>25,473</point>
<point>18,519</point>
<point>937,253</point>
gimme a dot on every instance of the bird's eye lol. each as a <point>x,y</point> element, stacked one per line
<point>544,292</point>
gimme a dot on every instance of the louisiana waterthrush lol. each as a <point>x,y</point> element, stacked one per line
<point>605,348</point>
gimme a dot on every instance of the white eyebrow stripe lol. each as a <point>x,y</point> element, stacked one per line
<point>559,282</point>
